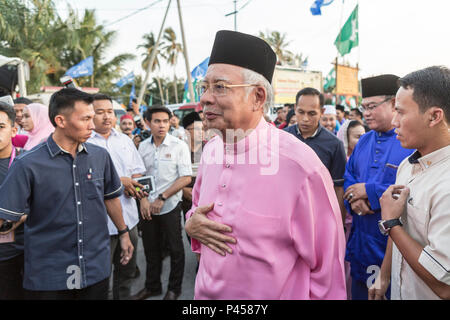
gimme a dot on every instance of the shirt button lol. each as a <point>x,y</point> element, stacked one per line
<point>81,257</point>
<point>224,185</point>
<point>77,184</point>
<point>378,142</point>
<point>80,222</point>
<point>376,160</point>
<point>377,151</point>
<point>74,166</point>
<point>219,204</point>
<point>80,241</point>
<point>78,203</point>
<point>227,165</point>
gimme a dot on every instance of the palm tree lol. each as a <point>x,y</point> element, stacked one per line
<point>278,43</point>
<point>51,45</point>
<point>38,41</point>
<point>149,46</point>
<point>90,39</point>
<point>171,50</point>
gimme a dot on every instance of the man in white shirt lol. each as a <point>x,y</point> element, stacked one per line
<point>415,211</point>
<point>175,129</point>
<point>129,165</point>
<point>167,159</point>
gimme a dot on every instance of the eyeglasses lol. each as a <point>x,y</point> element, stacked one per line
<point>218,88</point>
<point>372,106</point>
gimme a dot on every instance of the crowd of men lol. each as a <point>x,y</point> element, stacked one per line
<point>321,203</point>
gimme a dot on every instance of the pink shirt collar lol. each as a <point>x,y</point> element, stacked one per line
<point>244,145</point>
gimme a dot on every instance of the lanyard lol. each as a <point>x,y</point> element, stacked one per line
<point>13,155</point>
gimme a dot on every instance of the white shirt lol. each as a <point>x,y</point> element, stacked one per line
<point>180,133</point>
<point>427,220</point>
<point>127,162</point>
<point>168,162</point>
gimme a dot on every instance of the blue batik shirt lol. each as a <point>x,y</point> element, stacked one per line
<point>66,231</point>
<point>374,161</point>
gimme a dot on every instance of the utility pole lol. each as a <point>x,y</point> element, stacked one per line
<point>235,16</point>
<point>185,52</point>
<point>152,59</point>
<point>235,12</point>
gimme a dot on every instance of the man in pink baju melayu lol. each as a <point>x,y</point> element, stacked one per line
<point>265,218</point>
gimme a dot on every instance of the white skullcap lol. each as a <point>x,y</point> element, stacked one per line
<point>329,109</point>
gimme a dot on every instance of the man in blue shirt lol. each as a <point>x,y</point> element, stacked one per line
<point>67,187</point>
<point>309,109</point>
<point>372,167</point>
<point>11,238</point>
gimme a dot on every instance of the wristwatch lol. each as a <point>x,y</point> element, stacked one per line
<point>121,232</point>
<point>386,225</point>
<point>161,197</point>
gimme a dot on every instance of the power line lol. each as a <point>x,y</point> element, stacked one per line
<point>133,13</point>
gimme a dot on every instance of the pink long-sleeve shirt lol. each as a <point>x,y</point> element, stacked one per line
<point>284,214</point>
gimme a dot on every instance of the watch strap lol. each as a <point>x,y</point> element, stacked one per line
<point>392,223</point>
<point>121,232</point>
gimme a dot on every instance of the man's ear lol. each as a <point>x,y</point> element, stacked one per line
<point>260,97</point>
<point>60,121</point>
<point>436,116</point>
<point>393,104</point>
<point>13,131</point>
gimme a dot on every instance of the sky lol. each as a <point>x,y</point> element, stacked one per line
<point>395,36</point>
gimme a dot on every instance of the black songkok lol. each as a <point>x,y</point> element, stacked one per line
<point>384,85</point>
<point>245,51</point>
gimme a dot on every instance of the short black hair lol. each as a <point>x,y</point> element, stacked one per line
<point>431,88</point>
<point>64,100</point>
<point>358,112</point>
<point>134,100</point>
<point>340,107</point>
<point>101,96</point>
<point>310,92</point>
<point>154,109</point>
<point>9,110</point>
<point>22,100</point>
<point>190,118</point>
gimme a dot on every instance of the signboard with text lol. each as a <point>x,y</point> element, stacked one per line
<point>287,82</point>
<point>347,80</point>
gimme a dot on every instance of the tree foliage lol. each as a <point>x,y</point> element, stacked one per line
<point>279,45</point>
<point>51,45</point>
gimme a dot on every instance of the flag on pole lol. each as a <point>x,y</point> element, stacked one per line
<point>330,80</point>
<point>132,96</point>
<point>315,7</point>
<point>82,69</point>
<point>348,38</point>
<point>197,73</point>
<point>125,80</point>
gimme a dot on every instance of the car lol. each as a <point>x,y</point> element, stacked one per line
<point>182,109</point>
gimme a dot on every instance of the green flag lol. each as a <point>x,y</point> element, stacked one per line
<point>348,38</point>
<point>330,80</point>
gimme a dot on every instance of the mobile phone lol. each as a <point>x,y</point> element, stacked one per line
<point>148,182</point>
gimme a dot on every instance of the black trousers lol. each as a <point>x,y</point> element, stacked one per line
<point>97,291</point>
<point>168,224</point>
<point>11,278</point>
